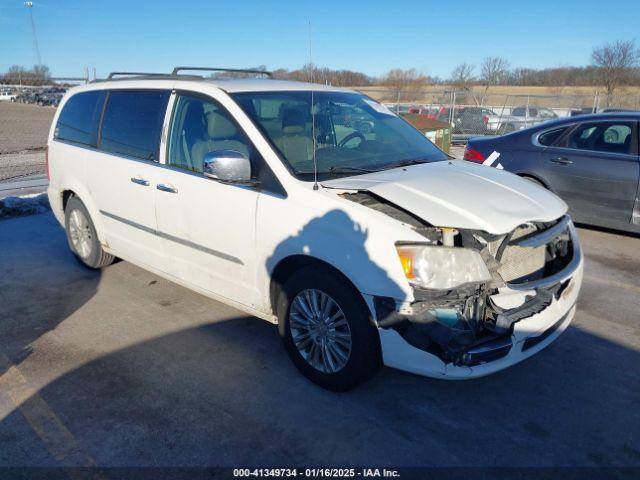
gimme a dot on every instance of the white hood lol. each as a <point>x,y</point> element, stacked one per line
<point>460,194</point>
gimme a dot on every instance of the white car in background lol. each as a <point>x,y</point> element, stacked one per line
<point>364,248</point>
<point>7,95</point>
<point>519,118</point>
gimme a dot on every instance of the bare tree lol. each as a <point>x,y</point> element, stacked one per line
<point>493,71</point>
<point>17,74</point>
<point>615,62</point>
<point>556,78</point>
<point>462,76</point>
<point>404,83</point>
<point>342,78</point>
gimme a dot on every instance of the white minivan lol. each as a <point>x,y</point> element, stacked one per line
<point>320,210</point>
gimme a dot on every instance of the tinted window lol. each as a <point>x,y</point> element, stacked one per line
<point>133,122</point>
<point>518,112</point>
<point>78,121</point>
<point>612,137</point>
<point>200,126</point>
<point>550,137</point>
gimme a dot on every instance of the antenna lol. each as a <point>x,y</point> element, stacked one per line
<point>313,118</point>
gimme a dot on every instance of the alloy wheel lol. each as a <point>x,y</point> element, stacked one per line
<point>80,233</point>
<point>320,330</point>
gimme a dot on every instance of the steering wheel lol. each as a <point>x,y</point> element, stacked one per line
<point>350,137</point>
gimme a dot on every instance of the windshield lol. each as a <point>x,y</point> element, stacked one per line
<point>353,134</point>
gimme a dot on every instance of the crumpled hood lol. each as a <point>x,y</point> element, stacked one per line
<point>460,194</point>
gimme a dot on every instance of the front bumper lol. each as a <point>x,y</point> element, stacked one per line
<point>529,335</point>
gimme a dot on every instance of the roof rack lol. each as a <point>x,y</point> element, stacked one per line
<point>176,73</point>
<point>229,70</point>
<point>112,75</point>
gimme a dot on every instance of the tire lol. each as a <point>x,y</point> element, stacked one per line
<point>82,237</point>
<point>363,359</point>
<point>508,128</point>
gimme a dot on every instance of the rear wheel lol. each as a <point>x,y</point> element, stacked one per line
<point>508,128</point>
<point>327,330</point>
<point>82,238</point>
<point>534,180</point>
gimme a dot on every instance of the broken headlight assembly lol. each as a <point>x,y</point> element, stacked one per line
<point>456,312</point>
<point>449,286</point>
<point>441,268</point>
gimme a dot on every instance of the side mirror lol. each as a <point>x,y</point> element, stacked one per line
<point>227,166</point>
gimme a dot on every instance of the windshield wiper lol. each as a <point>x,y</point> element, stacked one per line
<point>403,163</point>
<point>343,169</point>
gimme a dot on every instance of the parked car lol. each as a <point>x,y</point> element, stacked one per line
<point>398,109</point>
<point>7,94</point>
<point>590,161</point>
<point>616,110</point>
<point>440,113</point>
<point>425,110</point>
<point>519,118</point>
<point>473,120</point>
<point>363,251</point>
<point>580,111</point>
<point>46,97</point>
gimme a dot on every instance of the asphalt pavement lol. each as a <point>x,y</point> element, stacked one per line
<point>123,368</point>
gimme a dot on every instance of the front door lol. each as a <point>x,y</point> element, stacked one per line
<point>207,228</point>
<point>595,170</point>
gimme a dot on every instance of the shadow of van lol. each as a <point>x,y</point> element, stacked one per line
<point>35,261</point>
<point>338,240</point>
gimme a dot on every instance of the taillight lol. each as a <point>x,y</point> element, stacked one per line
<point>473,155</point>
<point>46,161</point>
<point>485,119</point>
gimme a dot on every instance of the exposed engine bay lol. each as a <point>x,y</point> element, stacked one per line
<point>472,323</point>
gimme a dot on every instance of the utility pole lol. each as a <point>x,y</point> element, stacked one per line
<point>36,49</point>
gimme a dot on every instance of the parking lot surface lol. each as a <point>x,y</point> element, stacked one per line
<point>122,368</point>
<point>23,127</point>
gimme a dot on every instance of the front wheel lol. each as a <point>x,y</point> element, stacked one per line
<point>82,237</point>
<point>326,329</point>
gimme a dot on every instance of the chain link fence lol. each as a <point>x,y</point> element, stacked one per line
<point>476,113</point>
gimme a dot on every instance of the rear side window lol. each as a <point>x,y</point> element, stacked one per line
<point>78,121</point>
<point>550,137</point>
<point>610,137</point>
<point>132,123</point>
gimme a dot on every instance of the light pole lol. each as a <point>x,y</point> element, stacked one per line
<point>36,49</point>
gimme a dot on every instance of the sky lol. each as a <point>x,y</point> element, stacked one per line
<point>369,36</point>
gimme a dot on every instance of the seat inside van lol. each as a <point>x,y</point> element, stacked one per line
<point>221,134</point>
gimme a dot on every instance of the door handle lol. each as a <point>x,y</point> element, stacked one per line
<point>140,181</point>
<point>561,161</point>
<point>166,188</point>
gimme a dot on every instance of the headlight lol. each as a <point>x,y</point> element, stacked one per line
<point>441,267</point>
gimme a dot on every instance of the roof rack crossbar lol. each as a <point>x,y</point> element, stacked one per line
<point>230,70</point>
<point>134,74</point>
